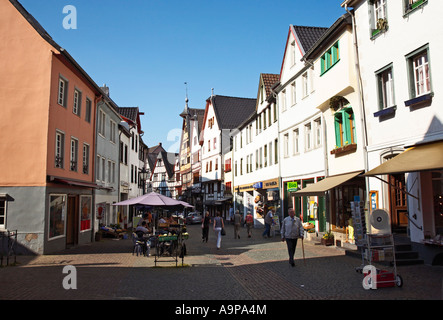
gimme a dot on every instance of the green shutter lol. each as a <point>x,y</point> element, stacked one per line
<point>337,121</point>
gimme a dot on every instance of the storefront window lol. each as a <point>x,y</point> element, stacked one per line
<point>343,196</point>
<point>437,186</point>
<point>57,215</point>
<point>85,211</point>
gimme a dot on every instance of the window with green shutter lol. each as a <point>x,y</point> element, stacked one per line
<point>330,58</point>
<point>344,127</point>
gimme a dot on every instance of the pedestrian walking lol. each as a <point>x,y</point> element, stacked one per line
<point>268,223</point>
<point>291,230</point>
<point>218,226</point>
<point>237,224</point>
<point>205,227</point>
<point>249,223</point>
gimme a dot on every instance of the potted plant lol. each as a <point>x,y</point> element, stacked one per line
<point>328,239</point>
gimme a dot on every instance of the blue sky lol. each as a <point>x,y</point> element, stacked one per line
<point>146,50</point>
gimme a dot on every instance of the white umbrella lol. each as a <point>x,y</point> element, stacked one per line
<point>150,199</point>
<point>185,204</point>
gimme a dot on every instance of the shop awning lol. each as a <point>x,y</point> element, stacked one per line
<point>418,158</point>
<point>75,183</point>
<point>319,188</point>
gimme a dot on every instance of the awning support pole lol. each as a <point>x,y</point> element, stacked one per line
<point>394,186</point>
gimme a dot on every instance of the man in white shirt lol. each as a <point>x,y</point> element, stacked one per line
<point>291,230</point>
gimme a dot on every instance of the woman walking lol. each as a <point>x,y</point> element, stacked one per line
<point>218,226</point>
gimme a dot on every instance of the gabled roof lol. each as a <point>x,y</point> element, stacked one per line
<point>269,80</point>
<point>132,114</point>
<point>60,51</point>
<point>199,114</point>
<point>307,36</point>
<point>169,160</point>
<point>231,111</point>
<point>152,155</point>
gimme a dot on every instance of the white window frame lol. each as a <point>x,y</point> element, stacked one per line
<point>422,74</point>
<point>113,129</point>
<point>3,211</point>
<point>86,152</point>
<point>73,152</point>
<point>63,85</point>
<point>286,145</point>
<point>293,94</point>
<point>296,141</point>
<point>317,133</point>
<point>308,136</point>
<point>102,123</point>
<point>386,88</point>
<point>59,148</point>
<point>76,107</point>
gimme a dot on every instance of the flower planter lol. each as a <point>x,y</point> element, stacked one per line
<point>327,242</point>
<point>345,149</point>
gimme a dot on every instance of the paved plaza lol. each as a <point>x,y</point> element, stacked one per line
<point>243,269</point>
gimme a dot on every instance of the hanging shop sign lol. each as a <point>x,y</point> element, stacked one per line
<point>292,186</point>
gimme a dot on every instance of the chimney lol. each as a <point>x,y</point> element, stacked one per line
<point>105,89</point>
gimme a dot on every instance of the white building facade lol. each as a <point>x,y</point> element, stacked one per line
<point>400,93</point>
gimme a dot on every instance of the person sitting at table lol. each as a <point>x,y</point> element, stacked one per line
<point>142,233</point>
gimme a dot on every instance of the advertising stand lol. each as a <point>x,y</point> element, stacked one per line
<point>376,248</point>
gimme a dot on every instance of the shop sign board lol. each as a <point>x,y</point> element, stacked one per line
<point>292,186</point>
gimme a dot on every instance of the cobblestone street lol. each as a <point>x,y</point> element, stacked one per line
<point>243,269</point>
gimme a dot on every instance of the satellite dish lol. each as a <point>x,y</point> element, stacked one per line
<point>379,221</point>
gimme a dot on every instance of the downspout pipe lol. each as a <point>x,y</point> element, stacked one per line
<point>362,109</point>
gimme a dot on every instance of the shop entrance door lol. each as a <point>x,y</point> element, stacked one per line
<point>72,221</point>
<point>398,204</point>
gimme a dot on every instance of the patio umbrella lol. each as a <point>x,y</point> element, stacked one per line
<point>150,199</point>
<point>185,204</point>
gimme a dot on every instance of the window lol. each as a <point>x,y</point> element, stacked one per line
<point>286,145</point>
<point>256,159</point>
<point>88,110</point>
<point>295,139</point>
<point>209,145</point>
<point>85,158</point>
<point>86,212</point>
<point>250,163</point>
<point>422,79</point>
<point>411,5</point>
<point>330,58</point>
<point>101,123</point>
<point>241,166</point>
<point>270,153</point>
<point>74,154</point>
<point>235,168</point>
<point>269,116</point>
<point>317,133</point>
<point>57,214</point>
<point>275,112</point>
<point>265,156</point>
<point>283,100</point>
<point>293,56</point>
<point>76,109</point>
<point>379,22</point>
<point>385,84</point>
<point>293,94</point>
<point>59,149</point>
<point>305,84</point>
<point>344,127</point>
<point>97,168</point>
<point>276,151</point>
<point>308,136</point>
<point>62,92</point>
<point>113,129</point>
<point>3,203</point>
